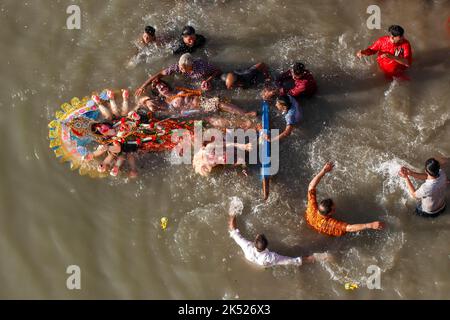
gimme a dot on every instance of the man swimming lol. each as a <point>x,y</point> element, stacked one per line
<point>245,78</point>
<point>257,253</point>
<point>394,52</point>
<point>318,215</point>
<point>189,41</point>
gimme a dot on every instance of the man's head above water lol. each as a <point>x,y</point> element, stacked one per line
<point>432,167</point>
<point>396,33</point>
<point>189,36</point>
<point>261,242</point>
<point>327,207</point>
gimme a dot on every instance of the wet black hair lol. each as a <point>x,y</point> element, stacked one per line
<point>285,100</point>
<point>298,68</point>
<point>150,30</point>
<point>261,242</point>
<point>432,167</point>
<point>396,30</point>
<point>325,206</point>
<point>188,31</point>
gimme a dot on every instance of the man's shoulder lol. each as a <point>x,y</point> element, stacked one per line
<point>179,46</point>
<point>383,38</point>
<point>200,39</point>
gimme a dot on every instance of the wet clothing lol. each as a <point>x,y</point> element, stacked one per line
<point>387,65</point>
<point>321,223</point>
<point>265,258</point>
<point>201,70</point>
<point>246,77</point>
<point>306,86</point>
<point>432,194</point>
<point>180,47</point>
<point>294,114</point>
<point>424,214</point>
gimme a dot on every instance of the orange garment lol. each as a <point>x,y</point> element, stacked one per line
<point>187,93</point>
<point>321,223</point>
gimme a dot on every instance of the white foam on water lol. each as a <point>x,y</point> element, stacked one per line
<point>236,206</point>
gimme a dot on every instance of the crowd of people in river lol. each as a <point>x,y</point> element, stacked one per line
<point>157,100</point>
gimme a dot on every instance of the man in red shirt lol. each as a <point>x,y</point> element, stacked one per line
<point>304,83</point>
<point>394,52</point>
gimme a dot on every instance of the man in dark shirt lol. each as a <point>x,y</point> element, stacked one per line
<point>245,78</point>
<point>189,41</point>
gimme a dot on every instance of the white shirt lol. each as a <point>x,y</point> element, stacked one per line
<point>265,258</point>
<point>432,193</point>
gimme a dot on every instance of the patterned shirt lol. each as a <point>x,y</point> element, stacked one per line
<point>321,223</point>
<point>201,70</point>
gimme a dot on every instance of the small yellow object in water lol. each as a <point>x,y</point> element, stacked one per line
<point>164,222</point>
<point>351,286</point>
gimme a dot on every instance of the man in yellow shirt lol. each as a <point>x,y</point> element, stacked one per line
<point>318,216</point>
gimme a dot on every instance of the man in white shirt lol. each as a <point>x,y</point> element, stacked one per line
<point>431,194</point>
<point>257,252</point>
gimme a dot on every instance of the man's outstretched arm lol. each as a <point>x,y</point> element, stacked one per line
<point>376,225</point>
<point>316,180</point>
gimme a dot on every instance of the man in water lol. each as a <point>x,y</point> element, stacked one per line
<point>431,194</point>
<point>245,78</point>
<point>318,216</point>
<point>189,41</point>
<point>304,84</point>
<point>257,252</point>
<point>148,36</point>
<point>394,53</point>
<point>292,113</point>
<point>194,69</point>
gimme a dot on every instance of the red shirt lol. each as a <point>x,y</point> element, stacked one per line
<point>307,84</point>
<point>385,45</point>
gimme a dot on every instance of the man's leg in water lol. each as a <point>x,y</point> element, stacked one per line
<point>231,108</point>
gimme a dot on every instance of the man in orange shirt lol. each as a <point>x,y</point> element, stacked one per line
<point>394,52</point>
<point>318,216</point>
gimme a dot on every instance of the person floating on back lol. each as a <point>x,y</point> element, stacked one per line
<point>431,194</point>
<point>318,216</point>
<point>245,78</point>
<point>189,41</point>
<point>257,252</point>
<point>394,53</point>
